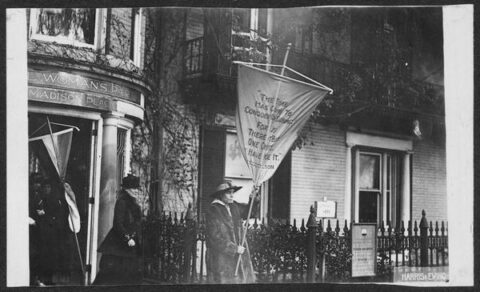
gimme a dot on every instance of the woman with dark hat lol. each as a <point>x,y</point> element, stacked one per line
<point>224,236</point>
<point>121,249</point>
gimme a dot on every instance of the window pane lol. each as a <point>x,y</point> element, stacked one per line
<point>72,23</point>
<point>121,133</point>
<point>389,177</point>
<point>235,165</point>
<point>369,172</point>
<point>241,20</point>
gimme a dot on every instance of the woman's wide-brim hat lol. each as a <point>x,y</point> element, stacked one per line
<point>131,182</point>
<point>225,186</point>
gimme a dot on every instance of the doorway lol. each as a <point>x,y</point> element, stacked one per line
<point>66,268</point>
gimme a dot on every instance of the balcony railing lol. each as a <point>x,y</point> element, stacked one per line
<point>240,50</point>
<point>350,83</point>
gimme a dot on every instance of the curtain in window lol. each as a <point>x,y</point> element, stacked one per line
<point>72,23</point>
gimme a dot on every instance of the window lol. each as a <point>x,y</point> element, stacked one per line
<point>236,168</point>
<point>121,143</point>
<point>369,172</point>
<point>136,37</point>
<point>304,39</point>
<point>221,158</point>
<point>72,26</point>
<point>377,181</point>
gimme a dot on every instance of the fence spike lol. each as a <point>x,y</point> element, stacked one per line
<point>329,228</point>
<point>431,228</point>
<point>402,228</point>
<point>345,227</point>
<point>302,228</point>
<point>415,229</point>
<point>382,228</point>
<point>443,229</point>
<point>436,228</point>
<point>255,223</point>
<point>337,228</point>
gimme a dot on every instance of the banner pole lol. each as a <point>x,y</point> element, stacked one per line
<point>69,213</point>
<point>245,227</point>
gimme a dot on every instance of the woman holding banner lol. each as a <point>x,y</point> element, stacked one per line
<point>224,236</point>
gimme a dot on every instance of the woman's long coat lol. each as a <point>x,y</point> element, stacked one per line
<point>120,263</point>
<point>223,237</point>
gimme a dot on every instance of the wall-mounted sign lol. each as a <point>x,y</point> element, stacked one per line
<point>326,209</point>
<point>364,250</point>
<point>69,81</point>
<point>70,98</point>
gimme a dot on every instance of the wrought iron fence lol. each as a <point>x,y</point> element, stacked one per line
<point>281,252</point>
<point>164,243</point>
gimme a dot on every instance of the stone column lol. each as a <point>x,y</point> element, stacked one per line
<point>108,178</point>
<point>348,184</point>
<point>405,206</point>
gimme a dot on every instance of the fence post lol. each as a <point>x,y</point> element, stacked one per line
<point>311,245</point>
<point>423,241</point>
<point>189,240</point>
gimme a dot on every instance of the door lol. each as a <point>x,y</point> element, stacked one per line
<point>67,264</point>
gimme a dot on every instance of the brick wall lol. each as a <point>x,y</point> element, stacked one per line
<point>429,181</point>
<point>319,171</point>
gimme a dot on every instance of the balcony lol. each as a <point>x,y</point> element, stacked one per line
<point>358,98</point>
<point>209,77</point>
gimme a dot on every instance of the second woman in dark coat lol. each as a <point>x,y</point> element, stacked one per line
<point>121,249</point>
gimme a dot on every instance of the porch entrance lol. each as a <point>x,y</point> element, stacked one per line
<point>64,267</point>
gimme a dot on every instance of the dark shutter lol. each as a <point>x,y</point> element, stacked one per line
<point>212,167</point>
<point>279,193</point>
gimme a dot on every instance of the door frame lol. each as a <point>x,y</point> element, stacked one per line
<point>94,179</point>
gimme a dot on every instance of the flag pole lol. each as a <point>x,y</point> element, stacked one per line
<point>69,213</point>
<point>255,189</point>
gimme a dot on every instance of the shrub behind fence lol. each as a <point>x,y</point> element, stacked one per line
<point>175,249</point>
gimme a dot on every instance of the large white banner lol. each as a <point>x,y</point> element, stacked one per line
<point>271,110</point>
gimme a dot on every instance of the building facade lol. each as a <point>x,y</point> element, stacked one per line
<point>376,147</point>
<point>373,148</point>
<point>85,70</point>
